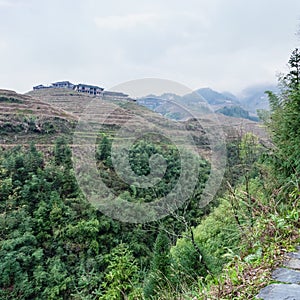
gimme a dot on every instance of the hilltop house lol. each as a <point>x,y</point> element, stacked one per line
<point>89,89</point>
<point>40,87</point>
<point>63,84</point>
<point>59,84</point>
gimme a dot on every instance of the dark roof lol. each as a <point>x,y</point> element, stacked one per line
<point>62,82</point>
<point>90,86</point>
<point>40,86</point>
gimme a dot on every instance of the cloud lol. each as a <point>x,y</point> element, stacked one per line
<point>125,22</point>
<point>224,44</point>
<point>11,3</point>
<point>4,3</point>
<point>144,38</point>
<point>3,44</point>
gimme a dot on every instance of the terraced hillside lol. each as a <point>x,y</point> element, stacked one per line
<point>43,115</point>
<point>24,119</point>
<point>181,107</point>
<point>109,115</point>
<point>77,104</point>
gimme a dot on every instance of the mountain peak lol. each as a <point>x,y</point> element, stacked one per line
<point>216,98</point>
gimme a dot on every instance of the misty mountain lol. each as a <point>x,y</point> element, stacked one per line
<point>205,100</point>
<point>236,112</point>
<point>254,97</point>
<point>216,98</point>
<point>176,107</point>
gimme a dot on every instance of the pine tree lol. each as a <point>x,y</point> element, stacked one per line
<point>62,153</point>
<point>104,151</point>
<point>292,79</point>
<point>159,274</point>
<point>121,275</point>
<point>284,122</point>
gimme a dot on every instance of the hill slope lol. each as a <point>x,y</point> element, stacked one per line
<point>111,115</point>
<point>24,119</point>
<point>42,116</point>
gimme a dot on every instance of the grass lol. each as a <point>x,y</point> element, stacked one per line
<point>262,250</point>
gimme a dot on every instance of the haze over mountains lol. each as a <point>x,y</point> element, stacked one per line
<point>251,98</point>
<point>244,105</point>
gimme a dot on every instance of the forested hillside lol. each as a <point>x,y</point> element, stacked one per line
<point>54,244</point>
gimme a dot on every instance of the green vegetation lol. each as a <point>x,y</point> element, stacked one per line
<point>139,156</point>
<point>56,245</point>
<point>10,100</point>
<point>265,204</point>
<point>237,112</point>
<point>160,268</point>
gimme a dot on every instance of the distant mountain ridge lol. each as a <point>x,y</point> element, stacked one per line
<point>216,98</point>
<point>243,106</point>
<point>250,99</point>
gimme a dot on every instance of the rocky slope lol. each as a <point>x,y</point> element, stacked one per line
<point>288,278</point>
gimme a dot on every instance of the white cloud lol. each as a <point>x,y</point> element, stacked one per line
<point>10,3</point>
<point>143,39</point>
<point>124,22</point>
<point>158,21</point>
<point>225,44</point>
<point>2,44</point>
<point>6,3</point>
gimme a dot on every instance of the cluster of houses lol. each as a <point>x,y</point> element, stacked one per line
<point>87,89</point>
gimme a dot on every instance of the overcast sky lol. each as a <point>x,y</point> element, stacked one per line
<point>224,44</point>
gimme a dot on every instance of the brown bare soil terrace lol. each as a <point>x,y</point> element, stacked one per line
<point>41,116</point>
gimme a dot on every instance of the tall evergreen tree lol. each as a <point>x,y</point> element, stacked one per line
<point>103,152</point>
<point>292,79</point>
<point>159,274</point>
<point>284,122</point>
<point>121,275</point>
<point>62,153</point>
